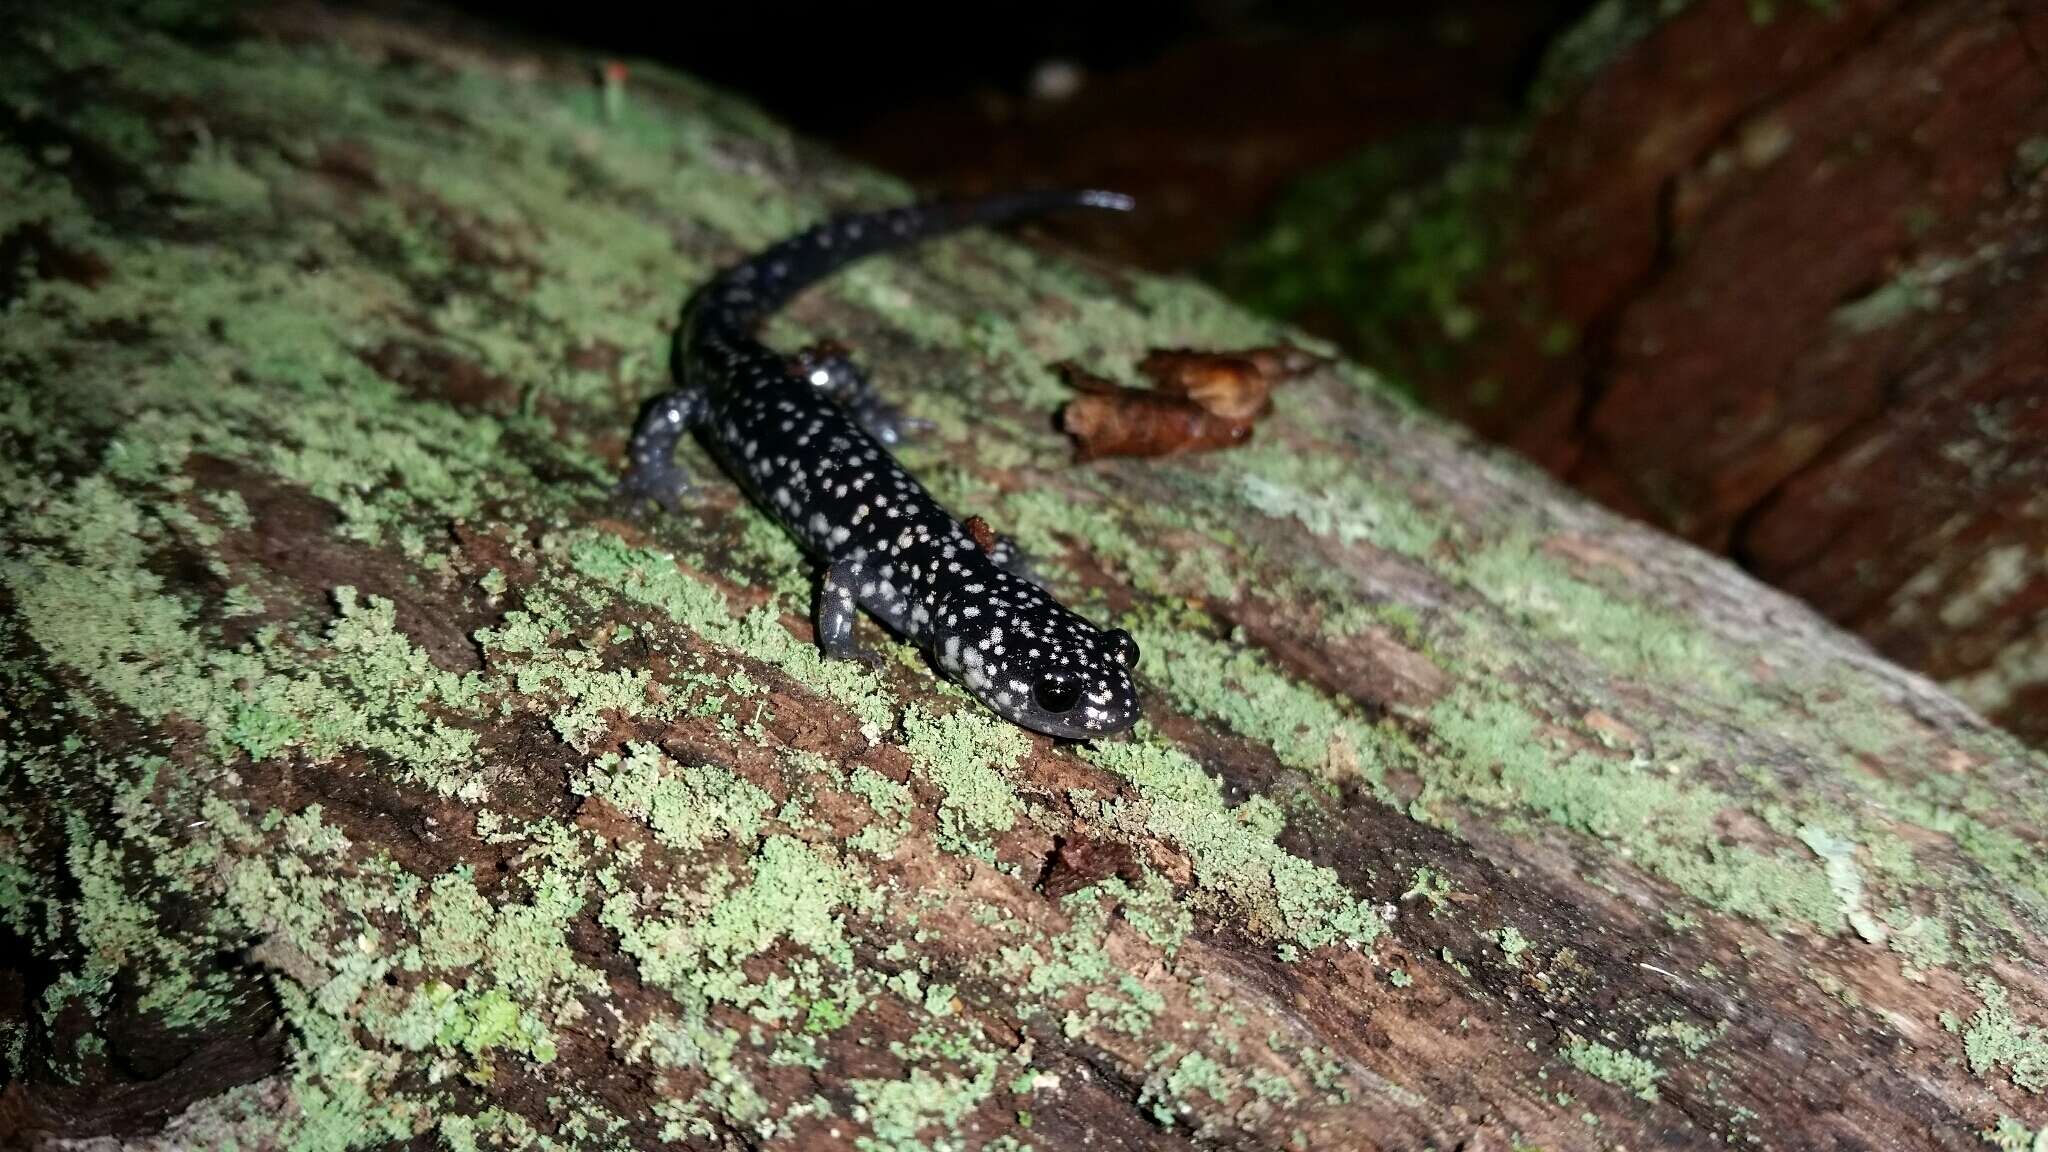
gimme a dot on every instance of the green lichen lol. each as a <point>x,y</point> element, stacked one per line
<point>1512,944</point>
<point>90,601</point>
<point>1536,590</point>
<point>1996,1039</point>
<point>969,756</point>
<point>1180,1077</point>
<point>899,1112</point>
<point>1238,686</point>
<point>2010,1135</point>
<point>1846,878</point>
<point>1331,499</point>
<point>654,579</point>
<point>1914,290</point>
<point>684,805</point>
<point>1502,758</point>
<point>1690,1038</point>
<point>890,802</point>
<point>1923,942</point>
<point>1429,885</point>
<point>1284,898</point>
<point>1617,1066</point>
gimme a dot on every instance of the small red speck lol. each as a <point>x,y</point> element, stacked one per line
<point>983,535</point>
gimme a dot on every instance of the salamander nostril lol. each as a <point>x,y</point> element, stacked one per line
<point>1055,694</point>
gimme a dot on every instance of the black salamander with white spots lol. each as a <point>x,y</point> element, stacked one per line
<point>805,436</point>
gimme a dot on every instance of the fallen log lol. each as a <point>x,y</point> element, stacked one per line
<point>371,778</point>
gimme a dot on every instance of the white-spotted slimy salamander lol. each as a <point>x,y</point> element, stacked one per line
<point>805,437</point>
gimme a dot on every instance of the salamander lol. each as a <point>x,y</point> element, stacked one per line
<point>806,437</point>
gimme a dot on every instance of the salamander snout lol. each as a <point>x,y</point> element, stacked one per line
<point>1084,692</point>
<point>1038,665</point>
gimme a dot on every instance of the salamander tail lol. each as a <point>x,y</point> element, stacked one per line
<point>734,301</point>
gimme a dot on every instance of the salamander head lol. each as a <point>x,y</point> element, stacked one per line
<point>1035,663</point>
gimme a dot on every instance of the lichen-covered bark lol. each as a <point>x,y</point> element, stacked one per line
<point>370,779</point>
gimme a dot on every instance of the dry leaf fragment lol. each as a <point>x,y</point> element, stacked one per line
<point>1199,402</point>
<point>1108,419</point>
<point>1235,385</point>
<point>983,535</point>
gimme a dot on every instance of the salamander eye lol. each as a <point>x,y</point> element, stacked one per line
<point>1122,647</point>
<point>1056,693</point>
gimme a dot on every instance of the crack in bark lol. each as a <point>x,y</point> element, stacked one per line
<point>1604,331</point>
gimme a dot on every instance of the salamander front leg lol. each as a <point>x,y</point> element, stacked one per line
<point>829,368</point>
<point>838,606</point>
<point>651,469</point>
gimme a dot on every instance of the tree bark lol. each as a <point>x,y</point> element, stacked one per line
<point>1770,276</point>
<point>372,779</point>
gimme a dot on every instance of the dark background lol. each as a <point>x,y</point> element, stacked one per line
<point>1204,110</point>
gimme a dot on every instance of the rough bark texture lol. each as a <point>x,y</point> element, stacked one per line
<point>369,779</point>
<point>1771,276</point>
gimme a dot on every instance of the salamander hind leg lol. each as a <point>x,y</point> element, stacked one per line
<point>829,368</point>
<point>838,607</point>
<point>1003,551</point>
<point>652,473</point>
<point>1010,556</point>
